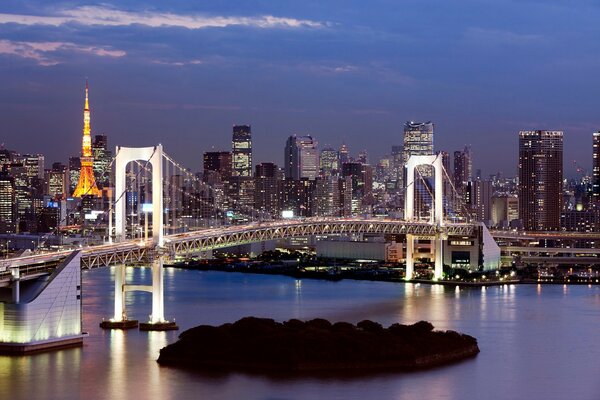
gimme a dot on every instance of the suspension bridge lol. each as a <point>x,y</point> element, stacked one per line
<point>49,312</point>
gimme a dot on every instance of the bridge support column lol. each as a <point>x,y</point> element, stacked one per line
<point>119,321</point>
<point>439,257</point>
<point>410,263</point>
<point>157,319</point>
<point>158,311</point>
<point>16,285</point>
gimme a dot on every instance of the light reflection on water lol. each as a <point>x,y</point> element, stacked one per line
<point>536,341</point>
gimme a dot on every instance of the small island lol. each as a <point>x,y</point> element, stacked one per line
<point>262,345</point>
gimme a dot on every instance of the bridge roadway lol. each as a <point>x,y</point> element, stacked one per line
<point>194,243</point>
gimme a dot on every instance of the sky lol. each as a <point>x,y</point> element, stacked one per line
<point>181,73</point>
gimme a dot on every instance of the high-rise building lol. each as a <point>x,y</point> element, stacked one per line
<point>266,188</point>
<point>74,169</point>
<point>418,141</point>
<point>397,167</point>
<point>596,168</point>
<point>86,185</point>
<point>343,154</point>
<point>463,169</point>
<point>329,161</point>
<point>362,183</point>
<point>480,200</point>
<point>241,145</point>
<point>57,181</point>
<point>8,209</point>
<point>326,197</point>
<point>217,164</point>
<point>540,179</point>
<point>102,159</point>
<point>301,158</point>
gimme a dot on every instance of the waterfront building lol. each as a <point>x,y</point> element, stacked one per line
<point>540,179</point>
<point>241,145</point>
<point>301,158</point>
<point>86,184</point>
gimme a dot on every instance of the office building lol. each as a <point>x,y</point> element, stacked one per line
<point>540,179</point>
<point>241,151</point>
<point>301,158</point>
<point>596,168</point>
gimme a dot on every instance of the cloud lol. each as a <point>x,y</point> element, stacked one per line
<point>42,52</point>
<point>178,63</point>
<point>494,36</point>
<point>109,16</point>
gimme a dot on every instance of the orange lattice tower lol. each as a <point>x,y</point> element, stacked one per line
<point>87,183</point>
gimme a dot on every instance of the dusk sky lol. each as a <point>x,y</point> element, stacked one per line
<point>182,73</point>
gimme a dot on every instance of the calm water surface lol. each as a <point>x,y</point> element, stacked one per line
<point>537,342</point>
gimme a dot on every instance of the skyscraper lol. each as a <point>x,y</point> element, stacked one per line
<point>418,141</point>
<point>217,164</point>
<point>266,188</point>
<point>463,168</point>
<point>8,209</point>
<point>540,179</point>
<point>301,158</point>
<point>329,161</point>
<point>596,168</point>
<point>102,158</point>
<point>86,185</point>
<point>241,145</point>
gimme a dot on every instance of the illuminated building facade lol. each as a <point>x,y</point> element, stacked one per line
<point>596,167</point>
<point>418,141</point>
<point>329,161</point>
<point>102,158</point>
<point>241,145</point>
<point>540,179</point>
<point>86,185</point>
<point>301,158</point>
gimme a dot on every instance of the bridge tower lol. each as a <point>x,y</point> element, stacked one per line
<point>154,157</point>
<point>437,217</point>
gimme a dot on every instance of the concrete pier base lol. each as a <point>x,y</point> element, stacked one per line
<point>158,326</point>
<point>125,324</point>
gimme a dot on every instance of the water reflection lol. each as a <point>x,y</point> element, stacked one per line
<point>522,330</point>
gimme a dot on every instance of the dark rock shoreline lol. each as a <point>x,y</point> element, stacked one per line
<point>262,345</point>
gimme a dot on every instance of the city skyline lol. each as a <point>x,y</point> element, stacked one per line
<point>285,69</point>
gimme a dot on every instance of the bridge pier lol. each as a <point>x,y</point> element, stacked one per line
<point>410,262</point>
<point>157,320</point>
<point>119,321</point>
<point>439,257</point>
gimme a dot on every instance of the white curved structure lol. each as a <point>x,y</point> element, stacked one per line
<point>153,156</point>
<point>437,217</point>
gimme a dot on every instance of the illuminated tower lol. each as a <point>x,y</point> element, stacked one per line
<point>87,183</point>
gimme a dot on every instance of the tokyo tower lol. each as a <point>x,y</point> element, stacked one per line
<point>87,183</point>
